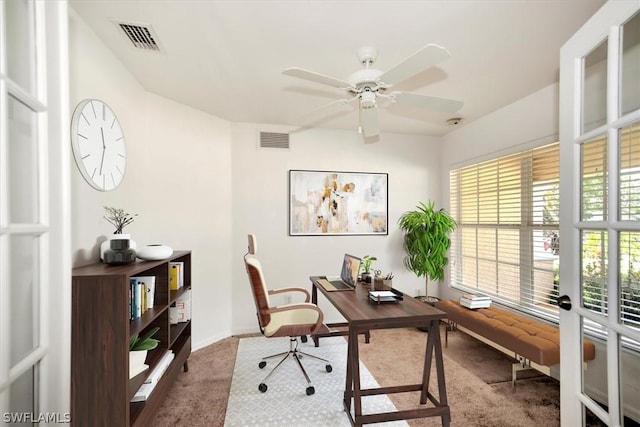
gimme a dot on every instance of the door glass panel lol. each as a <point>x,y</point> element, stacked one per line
<point>593,165</point>
<point>19,45</point>
<point>630,87</point>
<point>594,106</point>
<point>21,398</point>
<point>630,172</point>
<point>24,296</point>
<point>595,372</point>
<point>630,368</point>
<point>594,270</point>
<point>630,279</point>
<point>23,163</point>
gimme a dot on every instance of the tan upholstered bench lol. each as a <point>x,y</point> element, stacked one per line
<point>534,344</point>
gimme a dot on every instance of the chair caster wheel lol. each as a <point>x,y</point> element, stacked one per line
<point>262,364</point>
<point>263,388</point>
<point>303,338</point>
<point>329,368</point>
<point>310,390</point>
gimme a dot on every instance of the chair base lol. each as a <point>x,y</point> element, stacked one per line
<point>296,355</point>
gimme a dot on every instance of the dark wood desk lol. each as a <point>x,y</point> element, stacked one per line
<point>362,316</point>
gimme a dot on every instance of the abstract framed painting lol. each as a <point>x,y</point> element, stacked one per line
<point>324,203</point>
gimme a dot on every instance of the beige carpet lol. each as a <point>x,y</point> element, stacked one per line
<point>478,383</point>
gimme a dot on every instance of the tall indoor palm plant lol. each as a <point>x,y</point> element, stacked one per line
<point>426,241</point>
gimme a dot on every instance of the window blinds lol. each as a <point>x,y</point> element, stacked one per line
<point>506,244</point>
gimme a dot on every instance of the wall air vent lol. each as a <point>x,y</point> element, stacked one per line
<point>274,140</point>
<point>141,35</point>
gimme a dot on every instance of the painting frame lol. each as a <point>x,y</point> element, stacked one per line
<point>338,203</point>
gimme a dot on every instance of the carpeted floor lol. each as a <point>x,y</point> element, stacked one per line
<point>478,380</point>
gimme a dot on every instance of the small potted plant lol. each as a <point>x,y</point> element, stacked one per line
<point>119,219</point>
<point>367,261</point>
<point>138,348</point>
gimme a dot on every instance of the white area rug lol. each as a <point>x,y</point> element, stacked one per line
<point>285,403</point>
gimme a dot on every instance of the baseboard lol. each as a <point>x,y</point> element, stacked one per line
<point>195,346</point>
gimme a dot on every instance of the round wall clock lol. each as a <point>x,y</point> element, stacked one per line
<point>98,145</point>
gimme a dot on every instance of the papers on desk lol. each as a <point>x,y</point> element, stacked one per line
<point>383,296</point>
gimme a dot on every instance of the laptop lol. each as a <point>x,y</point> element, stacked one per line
<point>348,276</point>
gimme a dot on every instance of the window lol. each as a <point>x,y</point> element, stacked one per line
<point>507,241</point>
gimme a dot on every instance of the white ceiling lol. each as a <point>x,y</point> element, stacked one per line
<point>227,57</point>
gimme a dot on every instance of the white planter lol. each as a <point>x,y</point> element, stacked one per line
<point>107,243</point>
<point>136,362</point>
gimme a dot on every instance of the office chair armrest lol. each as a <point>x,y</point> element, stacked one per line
<point>302,306</point>
<point>285,290</point>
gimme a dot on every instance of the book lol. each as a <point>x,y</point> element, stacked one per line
<point>160,368</point>
<point>183,303</point>
<point>152,380</point>
<point>143,392</point>
<point>137,307</point>
<point>472,297</point>
<point>176,275</point>
<point>138,370</point>
<point>150,286</point>
<point>475,304</point>
<point>472,306</point>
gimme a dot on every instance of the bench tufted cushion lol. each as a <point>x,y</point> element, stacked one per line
<point>537,341</point>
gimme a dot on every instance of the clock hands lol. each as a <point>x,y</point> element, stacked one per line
<point>104,148</point>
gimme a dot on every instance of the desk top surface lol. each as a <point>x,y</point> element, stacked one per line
<point>357,308</point>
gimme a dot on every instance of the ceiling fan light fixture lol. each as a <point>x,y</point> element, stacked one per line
<point>368,99</point>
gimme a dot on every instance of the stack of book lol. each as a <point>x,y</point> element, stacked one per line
<point>475,301</point>
<point>142,291</point>
<point>152,380</point>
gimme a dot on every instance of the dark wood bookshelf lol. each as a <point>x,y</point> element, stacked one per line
<point>101,390</point>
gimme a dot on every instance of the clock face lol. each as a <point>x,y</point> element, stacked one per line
<point>98,145</point>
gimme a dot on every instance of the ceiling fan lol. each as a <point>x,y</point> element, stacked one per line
<point>370,87</point>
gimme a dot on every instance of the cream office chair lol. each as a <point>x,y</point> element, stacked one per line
<point>291,320</point>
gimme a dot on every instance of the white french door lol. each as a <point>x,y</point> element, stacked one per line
<point>600,216</point>
<point>34,211</point>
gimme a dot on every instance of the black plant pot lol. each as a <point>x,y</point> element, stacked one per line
<point>427,300</point>
<point>119,253</point>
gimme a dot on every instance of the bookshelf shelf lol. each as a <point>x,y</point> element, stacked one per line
<point>101,390</point>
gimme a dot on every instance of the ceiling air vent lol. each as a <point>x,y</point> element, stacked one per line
<point>274,140</point>
<point>141,35</point>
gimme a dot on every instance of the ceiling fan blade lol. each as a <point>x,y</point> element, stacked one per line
<point>426,57</point>
<point>316,77</point>
<point>424,101</point>
<point>326,112</point>
<point>369,122</point>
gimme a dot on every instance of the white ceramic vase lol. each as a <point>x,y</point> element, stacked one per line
<point>107,243</point>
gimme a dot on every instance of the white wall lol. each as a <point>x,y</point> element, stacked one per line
<point>198,182</point>
<point>177,180</point>
<point>260,195</point>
